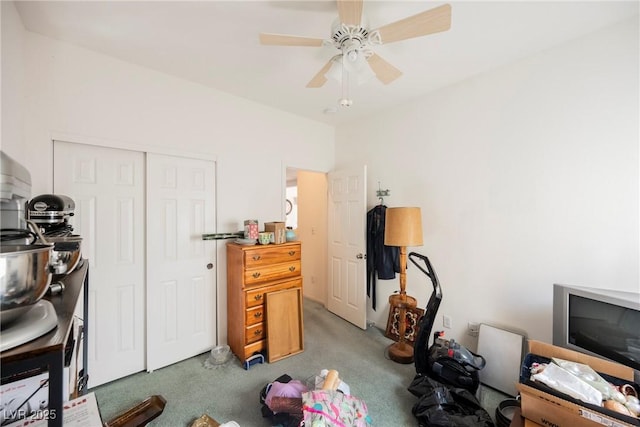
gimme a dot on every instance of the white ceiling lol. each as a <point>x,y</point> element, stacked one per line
<point>215,43</point>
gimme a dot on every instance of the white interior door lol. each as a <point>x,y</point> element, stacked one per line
<point>181,297</point>
<point>346,294</point>
<point>107,186</point>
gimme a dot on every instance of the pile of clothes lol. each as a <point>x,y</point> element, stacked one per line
<point>291,403</point>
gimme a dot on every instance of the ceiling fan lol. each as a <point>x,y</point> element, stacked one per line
<point>355,42</point>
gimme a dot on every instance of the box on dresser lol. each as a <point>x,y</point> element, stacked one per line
<point>545,406</point>
<point>279,231</point>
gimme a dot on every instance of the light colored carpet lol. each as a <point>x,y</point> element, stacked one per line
<point>229,392</point>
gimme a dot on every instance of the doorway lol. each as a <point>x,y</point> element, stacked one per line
<point>307,192</point>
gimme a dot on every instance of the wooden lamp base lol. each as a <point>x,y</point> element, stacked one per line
<point>401,352</point>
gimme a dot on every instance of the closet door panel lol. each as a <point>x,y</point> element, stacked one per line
<point>180,209</point>
<point>107,186</point>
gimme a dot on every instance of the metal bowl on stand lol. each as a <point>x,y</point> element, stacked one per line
<point>25,275</point>
<point>66,253</point>
<point>66,250</point>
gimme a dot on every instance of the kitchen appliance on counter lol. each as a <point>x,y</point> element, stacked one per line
<point>15,190</point>
<point>50,213</point>
<point>25,267</point>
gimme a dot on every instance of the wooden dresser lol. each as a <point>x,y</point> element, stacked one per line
<point>262,279</point>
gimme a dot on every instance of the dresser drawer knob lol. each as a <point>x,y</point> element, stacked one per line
<point>258,297</point>
<point>256,275</point>
<point>256,257</point>
<point>292,253</point>
<point>257,332</point>
<point>292,268</point>
<point>258,314</point>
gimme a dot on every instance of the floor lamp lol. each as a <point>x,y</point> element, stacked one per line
<point>403,227</point>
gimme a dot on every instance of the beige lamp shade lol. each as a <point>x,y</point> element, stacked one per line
<point>403,227</point>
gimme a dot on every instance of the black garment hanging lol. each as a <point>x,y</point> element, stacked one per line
<point>383,261</point>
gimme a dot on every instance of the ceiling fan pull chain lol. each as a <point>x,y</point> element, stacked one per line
<point>345,79</point>
<point>345,101</point>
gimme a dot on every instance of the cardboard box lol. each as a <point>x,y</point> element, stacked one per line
<point>518,421</point>
<point>545,406</point>
<point>279,231</point>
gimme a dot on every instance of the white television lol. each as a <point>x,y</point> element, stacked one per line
<point>599,322</point>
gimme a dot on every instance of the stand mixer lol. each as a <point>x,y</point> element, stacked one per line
<point>50,214</point>
<point>25,268</point>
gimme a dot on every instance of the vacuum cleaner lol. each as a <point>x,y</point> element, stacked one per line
<point>446,361</point>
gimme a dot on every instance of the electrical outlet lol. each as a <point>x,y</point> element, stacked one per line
<point>446,321</point>
<point>473,329</point>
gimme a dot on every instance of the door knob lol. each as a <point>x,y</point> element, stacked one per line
<point>209,266</point>
<point>361,256</point>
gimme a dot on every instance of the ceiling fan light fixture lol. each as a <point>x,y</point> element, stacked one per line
<point>360,69</point>
<point>335,72</point>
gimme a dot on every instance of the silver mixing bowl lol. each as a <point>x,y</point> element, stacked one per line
<point>25,275</point>
<point>66,253</point>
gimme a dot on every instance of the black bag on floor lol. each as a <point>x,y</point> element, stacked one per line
<point>442,405</point>
<point>281,418</point>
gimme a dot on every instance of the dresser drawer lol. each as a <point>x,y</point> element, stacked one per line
<point>271,272</point>
<point>255,297</point>
<point>253,348</point>
<point>255,333</point>
<point>254,315</point>
<point>272,254</point>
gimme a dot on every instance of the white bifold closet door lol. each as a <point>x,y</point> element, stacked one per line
<point>181,309</point>
<point>141,216</point>
<point>108,187</point>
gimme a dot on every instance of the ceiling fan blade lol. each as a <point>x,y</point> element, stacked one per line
<point>431,21</point>
<point>285,40</point>
<point>319,79</point>
<point>350,11</point>
<point>385,72</point>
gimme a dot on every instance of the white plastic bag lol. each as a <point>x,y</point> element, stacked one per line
<point>588,375</point>
<point>563,381</point>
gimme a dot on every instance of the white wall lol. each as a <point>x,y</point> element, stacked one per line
<point>12,81</point>
<point>77,95</point>
<point>526,175</point>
